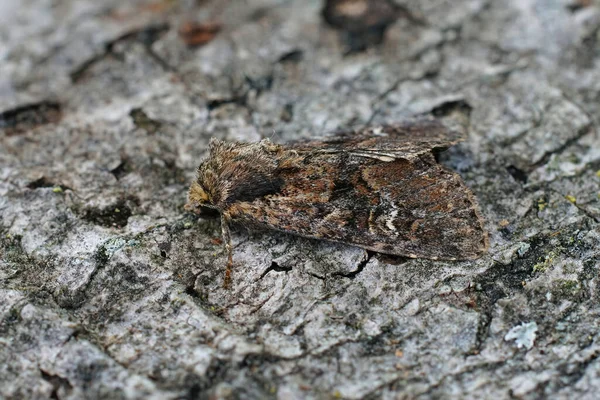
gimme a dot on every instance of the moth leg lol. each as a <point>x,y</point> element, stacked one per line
<point>226,234</point>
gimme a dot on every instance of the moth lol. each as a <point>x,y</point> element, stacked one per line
<point>378,188</point>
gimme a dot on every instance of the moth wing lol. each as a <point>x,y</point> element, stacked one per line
<point>404,140</point>
<point>405,205</point>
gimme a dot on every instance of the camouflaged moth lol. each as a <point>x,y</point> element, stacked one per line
<point>379,188</point>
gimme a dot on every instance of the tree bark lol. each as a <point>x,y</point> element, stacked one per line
<point>109,289</point>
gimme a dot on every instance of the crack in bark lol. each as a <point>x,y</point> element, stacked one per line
<point>589,128</point>
<point>274,267</point>
<point>592,215</point>
<point>146,35</point>
<point>359,268</point>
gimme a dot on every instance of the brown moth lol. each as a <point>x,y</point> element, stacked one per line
<point>379,188</point>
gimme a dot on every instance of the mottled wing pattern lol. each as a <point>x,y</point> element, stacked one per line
<point>380,192</point>
<point>405,140</point>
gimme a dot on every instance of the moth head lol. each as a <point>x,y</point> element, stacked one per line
<point>233,172</point>
<point>197,197</point>
<point>204,191</point>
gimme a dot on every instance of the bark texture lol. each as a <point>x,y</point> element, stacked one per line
<point>109,289</point>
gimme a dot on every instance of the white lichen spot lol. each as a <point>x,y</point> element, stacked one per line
<point>114,245</point>
<point>524,335</point>
<point>377,131</point>
<point>389,222</point>
<point>523,248</point>
<point>372,222</point>
<point>371,328</point>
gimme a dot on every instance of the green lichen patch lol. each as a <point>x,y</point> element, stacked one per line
<point>111,246</point>
<point>566,288</point>
<point>546,261</point>
<point>11,251</point>
<point>571,198</point>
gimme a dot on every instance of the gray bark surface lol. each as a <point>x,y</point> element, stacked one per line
<point>109,289</point>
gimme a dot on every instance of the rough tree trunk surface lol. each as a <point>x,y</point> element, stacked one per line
<point>109,289</point>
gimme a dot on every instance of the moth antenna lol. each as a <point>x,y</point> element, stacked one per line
<point>274,135</point>
<point>226,235</point>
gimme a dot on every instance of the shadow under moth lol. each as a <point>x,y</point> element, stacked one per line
<point>379,188</point>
